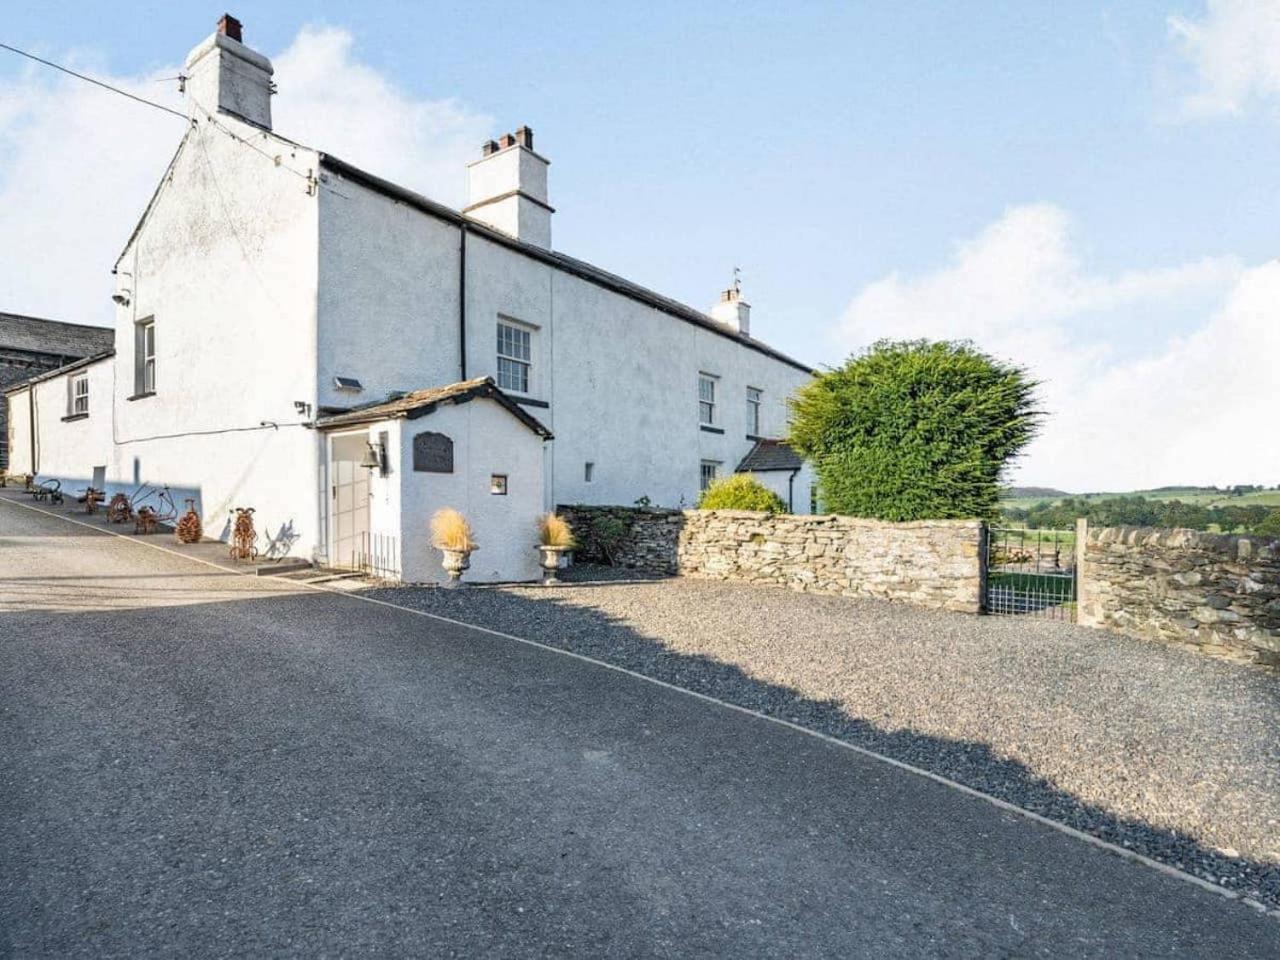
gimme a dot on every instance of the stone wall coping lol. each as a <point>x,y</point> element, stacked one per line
<point>820,518</point>
<point>1226,544</point>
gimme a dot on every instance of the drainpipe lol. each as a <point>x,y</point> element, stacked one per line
<point>31,420</point>
<point>791,491</point>
<point>462,302</point>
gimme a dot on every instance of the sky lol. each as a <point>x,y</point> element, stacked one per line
<point>1090,190</point>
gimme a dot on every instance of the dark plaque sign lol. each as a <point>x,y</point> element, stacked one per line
<point>432,453</point>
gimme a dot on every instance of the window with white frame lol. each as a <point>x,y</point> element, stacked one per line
<point>710,470</point>
<point>515,357</point>
<point>706,399</point>
<point>144,357</point>
<point>753,411</point>
<point>78,395</point>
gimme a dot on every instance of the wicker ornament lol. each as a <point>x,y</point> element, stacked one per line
<point>189,528</point>
<point>119,509</point>
<point>243,535</point>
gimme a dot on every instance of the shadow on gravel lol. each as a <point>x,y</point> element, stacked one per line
<point>555,622</point>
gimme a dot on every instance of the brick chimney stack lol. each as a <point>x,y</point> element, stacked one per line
<point>229,26</point>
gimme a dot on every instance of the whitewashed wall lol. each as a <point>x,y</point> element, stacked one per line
<point>620,377</point>
<point>796,493</point>
<point>226,262</point>
<point>65,450</point>
<point>486,440</point>
<point>388,295</point>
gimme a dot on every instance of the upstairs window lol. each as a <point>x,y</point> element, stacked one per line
<point>78,395</point>
<point>515,357</point>
<point>144,354</point>
<point>753,411</point>
<point>706,399</point>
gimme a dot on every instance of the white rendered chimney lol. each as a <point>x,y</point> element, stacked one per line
<point>507,189</point>
<point>223,75</point>
<point>733,311</point>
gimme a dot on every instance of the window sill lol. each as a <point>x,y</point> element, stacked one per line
<point>142,396</point>
<point>530,402</point>
<point>709,429</point>
<point>755,438</point>
<point>75,416</point>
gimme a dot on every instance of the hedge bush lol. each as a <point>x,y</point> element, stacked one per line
<point>741,491</point>
<point>914,430</point>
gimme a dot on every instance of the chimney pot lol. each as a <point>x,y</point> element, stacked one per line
<point>507,140</point>
<point>488,148</point>
<point>229,26</point>
<point>524,137</point>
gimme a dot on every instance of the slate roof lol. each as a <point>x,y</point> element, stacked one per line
<point>52,337</point>
<point>769,455</point>
<point>20,385</point>
<point>419,403</point>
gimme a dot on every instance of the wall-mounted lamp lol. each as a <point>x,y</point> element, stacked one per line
<point>303,408</point>
<point>121,298</point>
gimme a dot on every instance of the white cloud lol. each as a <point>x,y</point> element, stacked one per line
<point>1151,377</point>
<point>77,164</point>
<point>1235,51</point>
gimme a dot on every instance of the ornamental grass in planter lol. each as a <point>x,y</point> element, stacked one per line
<point>555,542</point>
<point>451,535</point>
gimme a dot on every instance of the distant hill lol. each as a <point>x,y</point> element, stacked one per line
<point>1033,493</point>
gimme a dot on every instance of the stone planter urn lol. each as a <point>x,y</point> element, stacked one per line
<point>454,563</point>
<point>553,560</point>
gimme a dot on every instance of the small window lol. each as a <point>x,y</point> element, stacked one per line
<point>78,395</point>
<point>589,471</point>
<point>515,356</point>
<point>753,411</point>
<point>706,399</point>
<point>710,470</point>
<point>498,484</point>
<point>144,357</point>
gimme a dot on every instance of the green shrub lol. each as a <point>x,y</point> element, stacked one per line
<point>741,491</point>
<point>1270,525</point>
<point>914,430</point>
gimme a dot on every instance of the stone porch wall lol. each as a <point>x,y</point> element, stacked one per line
<point>1217,593</point>
<point>929,563</point>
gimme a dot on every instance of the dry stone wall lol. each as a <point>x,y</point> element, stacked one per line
<point>1217,593</point>
<point>929,563</point>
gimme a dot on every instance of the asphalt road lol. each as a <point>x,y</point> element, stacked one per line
<point>195,763</point>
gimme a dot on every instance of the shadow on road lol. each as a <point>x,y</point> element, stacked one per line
<point>553,620</point>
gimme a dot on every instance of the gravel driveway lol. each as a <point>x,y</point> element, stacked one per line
<point>1161,750</point>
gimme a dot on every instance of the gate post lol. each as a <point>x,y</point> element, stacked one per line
<point>1082,538</point>
<point>984,541</point>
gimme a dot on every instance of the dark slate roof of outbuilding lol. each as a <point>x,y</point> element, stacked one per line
<point>53,337</point>
<point>769,455</point>
<point>419,403</point>
<point>20,385</point>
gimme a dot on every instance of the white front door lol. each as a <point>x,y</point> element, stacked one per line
<point>349,484</point>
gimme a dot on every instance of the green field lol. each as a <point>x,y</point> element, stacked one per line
<point>1196,495</point>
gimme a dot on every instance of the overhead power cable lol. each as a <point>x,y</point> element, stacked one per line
<point>96,83</point>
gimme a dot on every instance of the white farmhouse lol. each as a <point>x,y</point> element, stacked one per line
<point>344,355</point>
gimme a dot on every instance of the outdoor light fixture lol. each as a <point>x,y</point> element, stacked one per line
<point>121,298</point>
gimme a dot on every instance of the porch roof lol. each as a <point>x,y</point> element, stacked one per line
<point>419,403</point>
<point>769,455</point>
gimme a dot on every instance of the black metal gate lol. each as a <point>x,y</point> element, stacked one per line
<point>1031,573</point>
